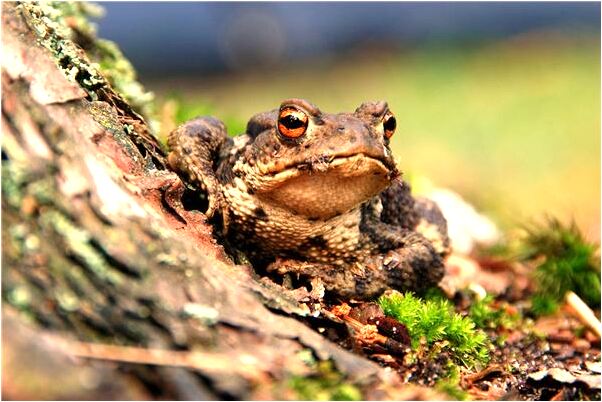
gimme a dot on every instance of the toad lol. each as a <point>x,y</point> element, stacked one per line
<point>318,196</point>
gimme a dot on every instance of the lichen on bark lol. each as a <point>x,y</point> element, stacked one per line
<point>64,28</point>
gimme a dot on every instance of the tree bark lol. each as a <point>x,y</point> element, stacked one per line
<point>110,286</point>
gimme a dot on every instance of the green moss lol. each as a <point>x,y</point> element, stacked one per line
<point>569,263</point>
<point>486,315</point>
<point>327,384</point>
<point>452,388</point>
<point>433,293</point>
<point>483,315</point>
<point>435,320</point>
<point>542,304</point>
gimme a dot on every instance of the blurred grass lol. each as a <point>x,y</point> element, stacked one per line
<point>514,126</point>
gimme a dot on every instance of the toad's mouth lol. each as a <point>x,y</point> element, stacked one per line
<point>324,189</point>
<point>323,163</point>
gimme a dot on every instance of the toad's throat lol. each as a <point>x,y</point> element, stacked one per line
<point>329,190</point>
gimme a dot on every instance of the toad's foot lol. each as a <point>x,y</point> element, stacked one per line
<point>415,266</point>
<point>195,146</point>
<point>322,276</point>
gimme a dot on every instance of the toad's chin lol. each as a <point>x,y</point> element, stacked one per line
<point>337,187</point>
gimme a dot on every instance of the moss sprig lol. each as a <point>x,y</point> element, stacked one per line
<point>486,314</point>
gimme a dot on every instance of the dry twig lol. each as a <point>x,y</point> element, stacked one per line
<point>245,365</point>
<point>583,313</point>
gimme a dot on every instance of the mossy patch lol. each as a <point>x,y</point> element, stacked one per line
<point>486,314</point>
<point>565,260</point>
<point>325,384</point>
<point>435,321</point>
<point>452,388</point>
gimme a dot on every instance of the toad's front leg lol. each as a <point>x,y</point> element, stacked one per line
<point>195,146</point>
<point>413,264</point>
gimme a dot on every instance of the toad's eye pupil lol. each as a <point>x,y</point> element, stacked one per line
<point>290,121</point>
<point>390,124</point>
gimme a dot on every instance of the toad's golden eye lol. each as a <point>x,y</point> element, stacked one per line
<point>292,122</point>
<point>389,124</point>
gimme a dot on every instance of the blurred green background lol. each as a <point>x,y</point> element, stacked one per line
<point>511,121</point>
